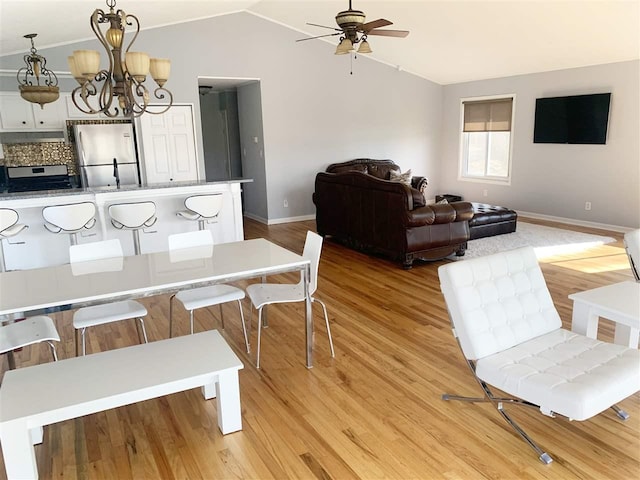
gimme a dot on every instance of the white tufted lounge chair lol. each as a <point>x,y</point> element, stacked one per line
<point>512,338</point>
<point>632,246</point>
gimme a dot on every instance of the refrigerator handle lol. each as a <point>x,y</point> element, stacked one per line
<point>81,145</point>
<point>84,180</point>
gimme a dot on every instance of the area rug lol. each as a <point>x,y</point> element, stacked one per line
<point>547,241</point>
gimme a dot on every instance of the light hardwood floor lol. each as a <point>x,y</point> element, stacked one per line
<point>372,412</point>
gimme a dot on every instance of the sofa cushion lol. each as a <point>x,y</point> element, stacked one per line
<point>382,170</point>
<point>358,167</point>
<point>400,177</point>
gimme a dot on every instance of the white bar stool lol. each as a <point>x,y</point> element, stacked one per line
<point>9,227</point>
<point>70,219</point>
<point>203,208</point>
<point>134,217</point>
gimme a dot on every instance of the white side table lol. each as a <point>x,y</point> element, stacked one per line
<point>619,302</point>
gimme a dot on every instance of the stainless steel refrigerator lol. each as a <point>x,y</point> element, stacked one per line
<point>106,154</point>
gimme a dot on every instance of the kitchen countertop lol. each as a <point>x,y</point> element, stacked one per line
<point>4,195</point>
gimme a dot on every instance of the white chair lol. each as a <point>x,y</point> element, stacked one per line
<point>9,227</point>
<point>180,247</point>
<point>203,208</point>
<point>85,317</point>
<point>27,332</point>
<point>262,294</point>
<point>632,246</point>
<point>71,219</point>
<point>134,217</point>
<point>512,338</point>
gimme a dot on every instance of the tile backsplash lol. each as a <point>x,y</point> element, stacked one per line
<point>42,153</point>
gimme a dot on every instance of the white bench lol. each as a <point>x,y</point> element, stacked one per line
<point>33,397</point>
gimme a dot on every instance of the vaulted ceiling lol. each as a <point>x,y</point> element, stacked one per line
<point>450,41</point>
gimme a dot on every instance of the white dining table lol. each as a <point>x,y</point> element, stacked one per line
<point>64,287</point>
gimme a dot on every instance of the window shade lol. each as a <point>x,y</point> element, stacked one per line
<point>488,115</point>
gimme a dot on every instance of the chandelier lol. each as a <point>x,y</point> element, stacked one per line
<point>126,74</point>
<point>37,83</point>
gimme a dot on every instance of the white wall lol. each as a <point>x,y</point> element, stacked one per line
<point>250,118</point>
<point>552,179</point>
<point>314,112</point>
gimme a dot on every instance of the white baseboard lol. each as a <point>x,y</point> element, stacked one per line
<point>301,218</point>
<point>256,218</point>
<point>538,216</point>
<point>277,221</point>
<point>572,221</point>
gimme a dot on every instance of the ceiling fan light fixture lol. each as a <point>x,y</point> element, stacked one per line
<point>344,47</point>
<point>365,47</point>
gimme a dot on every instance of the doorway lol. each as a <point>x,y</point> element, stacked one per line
<point>232,138</point>
<point>220,133</point>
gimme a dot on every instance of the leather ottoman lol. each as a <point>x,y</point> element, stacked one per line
<point>489,220</point>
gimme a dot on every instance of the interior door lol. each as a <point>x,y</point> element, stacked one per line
<point>168,149</point>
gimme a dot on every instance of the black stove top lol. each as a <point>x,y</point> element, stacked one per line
<point>31,179</point>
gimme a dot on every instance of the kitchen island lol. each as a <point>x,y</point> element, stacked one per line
<point>37,247</point>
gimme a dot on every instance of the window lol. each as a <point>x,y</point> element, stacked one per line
<point>486,139</point>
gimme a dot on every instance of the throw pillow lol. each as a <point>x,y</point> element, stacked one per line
<point>444,201</point>
<point>401,177</point>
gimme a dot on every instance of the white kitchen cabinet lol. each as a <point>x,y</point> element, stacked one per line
<point>72,111</point>
<point>16,114</point>
<point>167,145</point>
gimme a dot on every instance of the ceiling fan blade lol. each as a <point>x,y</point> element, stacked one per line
<point>324,26</point>
<point>381,22</point>
<point>389,33</point>
<point>320,36</point>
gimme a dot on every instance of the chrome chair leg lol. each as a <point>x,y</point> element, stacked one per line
<point>84,346</point>
<point>542,455</point>
<point>259,331</point>
<point>244,328</point>
<point>53,350</point>
<point>621,413</point>
<point>171,315</point>
<point>140,328</point>
<point>191,320</point>
<point>326,321</point>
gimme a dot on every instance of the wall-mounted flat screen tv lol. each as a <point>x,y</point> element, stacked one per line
<point>574,119</point>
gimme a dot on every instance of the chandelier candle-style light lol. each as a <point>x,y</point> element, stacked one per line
<point>126,74</point>
<point>37,83</point>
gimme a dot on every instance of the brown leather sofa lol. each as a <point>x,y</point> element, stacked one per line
<point>359,206</point>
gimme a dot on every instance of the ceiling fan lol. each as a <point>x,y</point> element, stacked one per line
<point>354,30</point>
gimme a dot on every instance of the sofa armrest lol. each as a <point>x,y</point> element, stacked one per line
<point>440,213</point>
<point>464,211</point>
<point>419,183</point>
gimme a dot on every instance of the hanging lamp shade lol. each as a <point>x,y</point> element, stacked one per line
<point>364,47</point>
<point>345,46</point>
<point>36,82</point>
<point>137,65</point>
<point>87,62</point>
<point>160,69</point>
